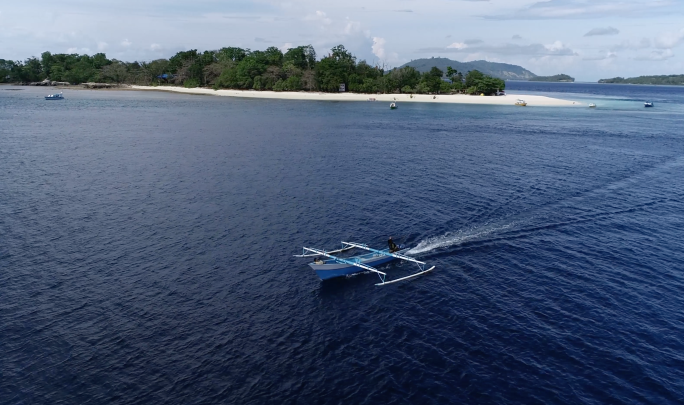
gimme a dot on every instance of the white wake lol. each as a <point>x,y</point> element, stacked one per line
<point>459,237</point>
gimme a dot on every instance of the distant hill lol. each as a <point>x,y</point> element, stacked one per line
<point>671,80</point>
<point>555,78</point>
<point>500,70</point>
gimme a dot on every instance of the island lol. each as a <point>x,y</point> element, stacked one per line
<point>671,80</point>
<point>563,78</point>
<point>234,68</point>
<point>503,71</point>
<point>296,73</point>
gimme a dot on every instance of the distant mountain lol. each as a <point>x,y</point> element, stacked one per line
<point>676,80</point>
<point>500,70</point>
<point>555,78</point>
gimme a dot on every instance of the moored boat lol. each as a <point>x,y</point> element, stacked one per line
<point>57,96</point>
<point>521,103</point>
<point>648,104</point>
<point>393,106</point>
<point>592,105</point>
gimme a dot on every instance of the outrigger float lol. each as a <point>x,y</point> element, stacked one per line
<point>340,267</point>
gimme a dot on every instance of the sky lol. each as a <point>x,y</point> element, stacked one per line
<point>587,39</point>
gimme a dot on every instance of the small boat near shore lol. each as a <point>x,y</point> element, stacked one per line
<point>57,96</point>
<point>393,106</point>
<point>521,103</point>
<point>592,105</point>
<point>648,104</point>
<point>336,266</point>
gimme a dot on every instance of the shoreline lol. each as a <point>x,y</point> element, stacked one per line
<point>510,99</point>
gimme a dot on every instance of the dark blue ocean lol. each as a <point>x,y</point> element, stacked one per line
<point>147,242</point>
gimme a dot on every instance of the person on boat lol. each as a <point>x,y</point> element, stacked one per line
<point>392,246</point>
<point>318,260</point>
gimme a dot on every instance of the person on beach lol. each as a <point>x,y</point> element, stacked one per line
<point>392,246</point>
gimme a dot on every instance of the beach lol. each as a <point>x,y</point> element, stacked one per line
<point>532,100</point>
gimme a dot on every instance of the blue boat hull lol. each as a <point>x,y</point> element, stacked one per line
<point>331,269</point>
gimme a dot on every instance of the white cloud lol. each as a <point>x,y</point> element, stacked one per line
<point>102,46</point>
<point>556,46</point>
<point>458,45</point>
<point>155,47</point>
<point>352,27</point>
<point>78,50</point>
<point>126,43</point>
<point>319,16</point>
<point>286,46</point>
<point>379,47</point>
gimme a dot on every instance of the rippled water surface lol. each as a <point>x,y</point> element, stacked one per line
<point>147,241</point>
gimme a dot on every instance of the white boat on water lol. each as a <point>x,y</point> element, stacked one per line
<point>521,103</point>
<point>57,96</point>
<point>592,105</point>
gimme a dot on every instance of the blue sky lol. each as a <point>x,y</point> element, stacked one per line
<point>588,39</point>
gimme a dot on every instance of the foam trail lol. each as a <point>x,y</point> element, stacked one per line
<point>457,238</point>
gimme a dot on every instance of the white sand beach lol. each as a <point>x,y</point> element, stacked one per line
<point>400,98</point>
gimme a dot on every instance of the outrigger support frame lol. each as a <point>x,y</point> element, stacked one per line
<point>329,252</point>
<point>345,261</point>
<point>421,265</point>
<point>349,245</point>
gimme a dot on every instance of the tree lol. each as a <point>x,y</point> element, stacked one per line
<point>248,69</point>
<point>46,62</point>
<point>303,57</point>
<point>180,58</point>
<point>399,80</point>
<point>478,83</point>
<point>231,54</point>
<point>490,85</point>
<point>100,60</point>
<point>227,79</point>
<point>335,69</point>
<point>456,78</point>
<point>329,75</point>
<point>473,78</point>
<point>6,67</point>
<point>272,56</point>
<point>157,68</point>
<point>32,71</point>
<point>433,80</point>
<point>114,72</point>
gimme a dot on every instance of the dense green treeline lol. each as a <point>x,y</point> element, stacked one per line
<point>555,78</point>
<point>297,69</point>
<point>672,80</point>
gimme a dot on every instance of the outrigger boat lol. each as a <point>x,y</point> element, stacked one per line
<point>340,267</point>
<point>57,96</point>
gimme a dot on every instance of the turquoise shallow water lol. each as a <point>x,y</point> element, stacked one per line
<point>147,241</point>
